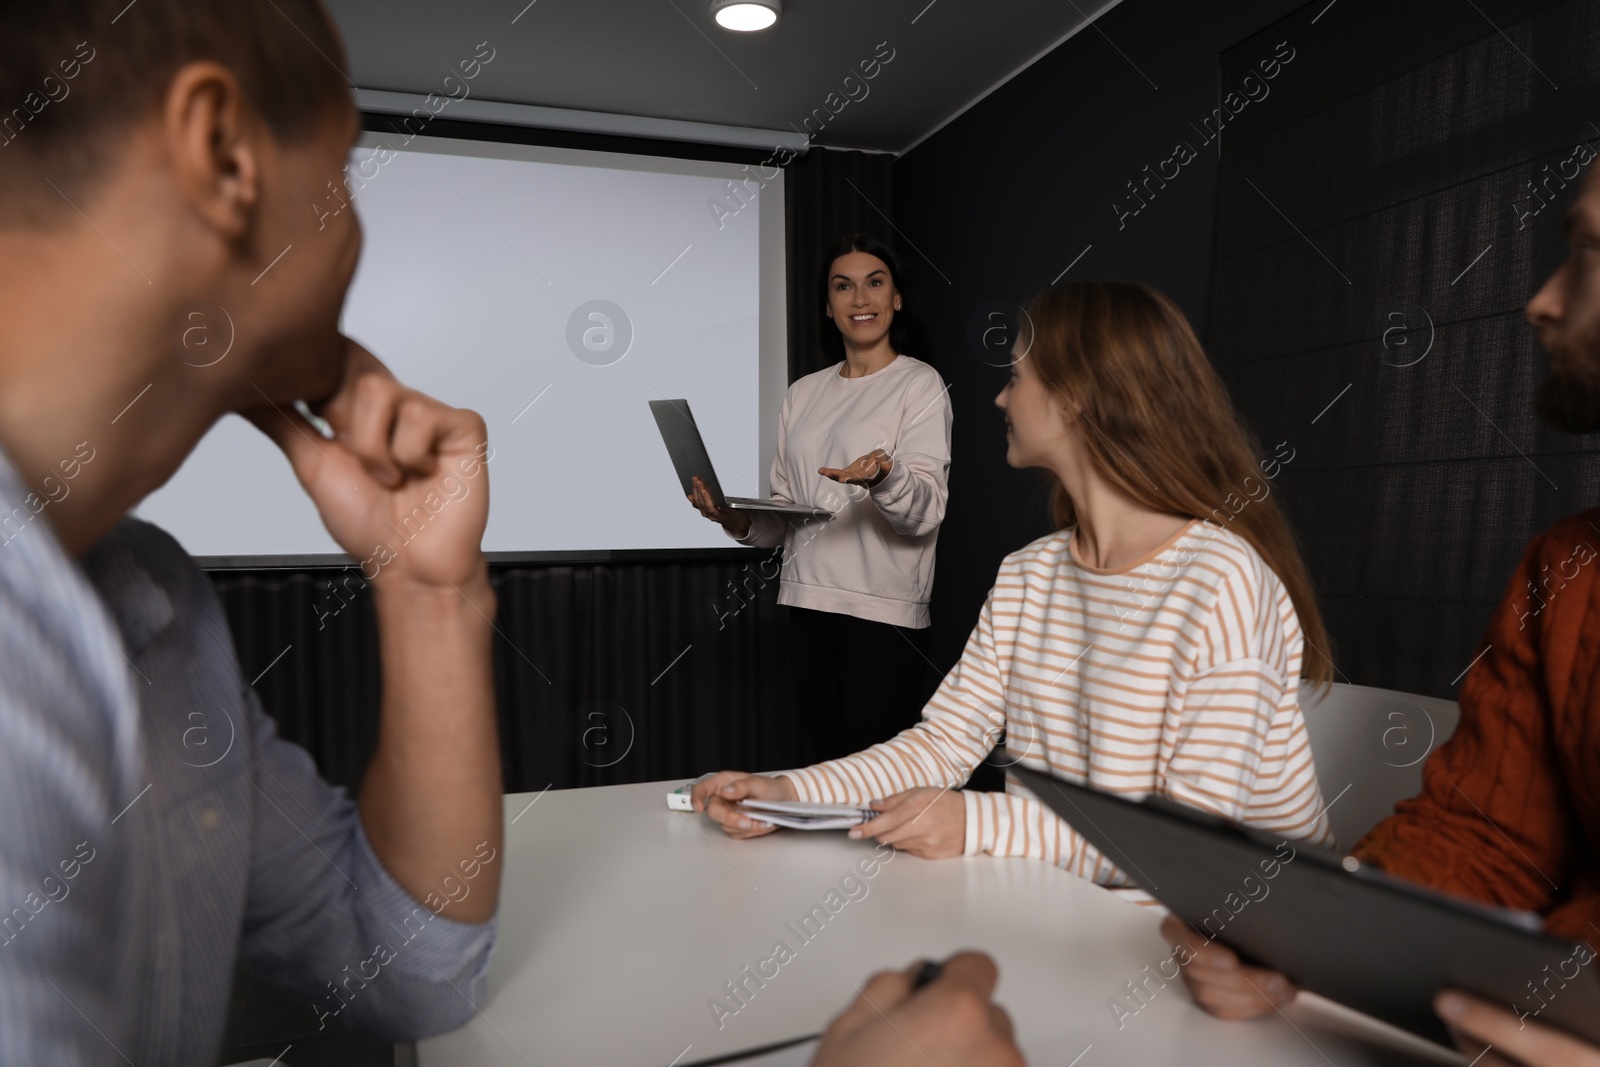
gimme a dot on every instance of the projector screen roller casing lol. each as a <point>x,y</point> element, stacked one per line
<point>555,292</point>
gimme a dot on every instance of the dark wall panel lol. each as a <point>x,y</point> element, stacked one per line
<point>1027,183</point>
<point>1376,243</point>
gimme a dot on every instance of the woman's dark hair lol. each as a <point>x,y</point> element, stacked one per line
<point>900,330</point>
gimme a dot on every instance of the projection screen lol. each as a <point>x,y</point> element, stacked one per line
<point>555,292</point>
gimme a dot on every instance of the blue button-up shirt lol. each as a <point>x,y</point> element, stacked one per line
<point>154,828</point>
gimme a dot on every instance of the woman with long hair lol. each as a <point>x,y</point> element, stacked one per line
<point>1154,644</point>
<point>869,440</point>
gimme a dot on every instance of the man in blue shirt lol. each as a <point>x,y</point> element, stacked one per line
<point>161,163</point>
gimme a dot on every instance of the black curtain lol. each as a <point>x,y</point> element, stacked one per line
<point>830,193</point>
<point>604,673</point>
<point>1382,217</point>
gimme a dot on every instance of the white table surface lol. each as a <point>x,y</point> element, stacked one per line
<point>620,920</point>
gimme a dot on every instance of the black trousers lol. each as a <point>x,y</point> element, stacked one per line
<point>856,682</point>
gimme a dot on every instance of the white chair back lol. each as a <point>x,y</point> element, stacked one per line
<point>1369,746</point>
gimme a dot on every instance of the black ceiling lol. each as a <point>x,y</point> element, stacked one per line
<point>669,59</point>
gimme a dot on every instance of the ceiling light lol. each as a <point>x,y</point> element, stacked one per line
<point>746,14</point>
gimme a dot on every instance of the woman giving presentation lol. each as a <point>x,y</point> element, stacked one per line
<point>869,440</point>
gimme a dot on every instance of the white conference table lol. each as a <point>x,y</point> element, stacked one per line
<point>620,920</point>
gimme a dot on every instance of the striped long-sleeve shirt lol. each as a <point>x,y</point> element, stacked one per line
<point>1177,674</point>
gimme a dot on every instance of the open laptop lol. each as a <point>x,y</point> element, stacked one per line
<point>1335,927</point>
<point>688,451</point>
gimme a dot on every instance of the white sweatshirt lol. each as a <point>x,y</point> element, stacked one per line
<point>874,558</point>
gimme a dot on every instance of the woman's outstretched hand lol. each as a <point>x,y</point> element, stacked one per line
<point>719,798</point>
<point>867,471</point>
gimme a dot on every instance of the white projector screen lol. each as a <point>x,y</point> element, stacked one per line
<point>555,292</point>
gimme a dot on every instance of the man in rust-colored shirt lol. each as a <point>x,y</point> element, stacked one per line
<point>1509,812</point>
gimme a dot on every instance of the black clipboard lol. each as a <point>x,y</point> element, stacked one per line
<point>1342,930</point>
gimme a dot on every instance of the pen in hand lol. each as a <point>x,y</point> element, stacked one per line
<point>930,972</point>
